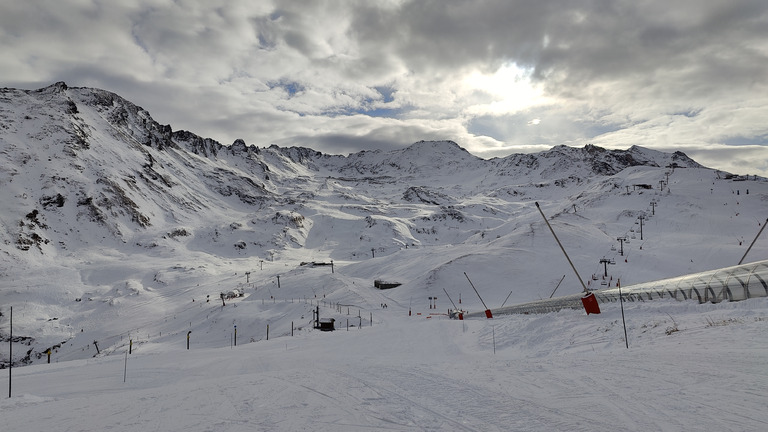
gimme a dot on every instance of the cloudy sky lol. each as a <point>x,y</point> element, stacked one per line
<point>496,76</point>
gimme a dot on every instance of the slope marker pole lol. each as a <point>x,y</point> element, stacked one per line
<point>621,300</point>
<point>10,355</point>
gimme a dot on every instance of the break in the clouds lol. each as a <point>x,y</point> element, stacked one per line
<point>495,76</point>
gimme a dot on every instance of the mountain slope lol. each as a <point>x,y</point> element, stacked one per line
<point>101,202</point>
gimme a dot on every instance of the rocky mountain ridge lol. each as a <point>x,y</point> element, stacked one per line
<point>103,205</point>
<point>78,160</point>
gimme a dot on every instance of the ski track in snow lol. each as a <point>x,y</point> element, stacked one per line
<point>444,376</point>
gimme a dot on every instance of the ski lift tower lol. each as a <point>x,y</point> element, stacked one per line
<point>621,241</point>
<point>605,261</point>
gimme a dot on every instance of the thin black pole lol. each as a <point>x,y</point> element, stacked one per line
<point>553,291</point>
<point>561,247</point>
<point>753,242</point>
<point>505,300</point>
<point>494,339</point>
<point>473,287</point>
<point>621,300</point>
<point>449,298</point>
<point>10,360</point>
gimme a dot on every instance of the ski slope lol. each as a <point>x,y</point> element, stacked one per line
<point>688,367</point>
<point>121,234</point>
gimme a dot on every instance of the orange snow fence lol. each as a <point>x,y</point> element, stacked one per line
<point>590,304</point>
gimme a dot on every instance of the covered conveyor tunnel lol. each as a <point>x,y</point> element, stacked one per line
<point>735,283</point>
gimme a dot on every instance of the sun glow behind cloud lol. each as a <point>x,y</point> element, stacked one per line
<point>509,90</point>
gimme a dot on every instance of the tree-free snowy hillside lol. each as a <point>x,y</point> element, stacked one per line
<point>118,230</point>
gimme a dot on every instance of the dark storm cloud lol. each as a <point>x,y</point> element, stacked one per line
<point>570,43</point>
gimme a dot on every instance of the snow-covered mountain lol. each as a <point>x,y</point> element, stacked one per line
<point>102,202</point>
<point>83,165</point>
<point>119,235</point>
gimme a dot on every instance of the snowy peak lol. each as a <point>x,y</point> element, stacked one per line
<point>440,149</point>
<point>131,121</point>
<point>81,165</point>
<point>112,171</point>
<point>564,161</point>
<point>609,162</point>
<point>423,158</point>
<point>102,203</point>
